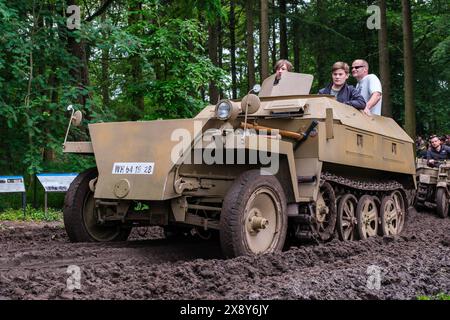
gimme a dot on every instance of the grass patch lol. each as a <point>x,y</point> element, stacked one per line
<point>439,296</point>
<point>31,214</point>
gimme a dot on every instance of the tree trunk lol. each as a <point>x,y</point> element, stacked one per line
<point>284,51</point>
<point>41,66</point>
<point>134,17</point>
<point>264,40</point>
<point>273,52</point>
<point>323,66</point>
<point>212,53</point>
<point>296,39</point>
<point>233,50</point>
<point>220,51</point>
<point>49,154</point>
<point>410,108</point>
<point>105,77</point>
<point>219,44</point>
<point>250,50</point>
<point>80,74</point>
<point>105,73</point>
<point>383,50</point>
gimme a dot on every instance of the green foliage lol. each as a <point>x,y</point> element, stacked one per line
<point>35,84</point>
<point>31,215</point>
<point>431,22</point>
<point>439,296</point>
<point>175,47</point>
<point>155,52</point>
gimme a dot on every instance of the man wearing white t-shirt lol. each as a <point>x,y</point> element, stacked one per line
<point>368,85</point>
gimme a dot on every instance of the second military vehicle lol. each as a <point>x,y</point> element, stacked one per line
<point>254,171</point>
<point>433,188</point>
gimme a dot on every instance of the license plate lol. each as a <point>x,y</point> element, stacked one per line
<point>133,168</point>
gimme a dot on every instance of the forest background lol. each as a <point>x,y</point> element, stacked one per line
<point>133,60</point>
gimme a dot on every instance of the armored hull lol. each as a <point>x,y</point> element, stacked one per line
<point>281,164</point>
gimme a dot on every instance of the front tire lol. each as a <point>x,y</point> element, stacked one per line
<point>253,218</point>
<point>80,217</point>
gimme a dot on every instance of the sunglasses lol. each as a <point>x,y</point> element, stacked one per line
<point>357,67</point>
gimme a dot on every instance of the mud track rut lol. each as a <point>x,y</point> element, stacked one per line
<point>34,261</point>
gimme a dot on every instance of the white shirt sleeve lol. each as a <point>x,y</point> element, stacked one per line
<point>374,84</point>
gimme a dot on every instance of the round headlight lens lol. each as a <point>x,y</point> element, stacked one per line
<point>223,110</point>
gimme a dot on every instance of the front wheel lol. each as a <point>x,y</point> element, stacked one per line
<point>80,216</point>
<point>253,218</point>
<point>442,202</point>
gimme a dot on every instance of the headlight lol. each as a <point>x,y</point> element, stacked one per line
<point>223,109</point>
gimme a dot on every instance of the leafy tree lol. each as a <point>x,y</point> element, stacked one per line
<point>151,59</point>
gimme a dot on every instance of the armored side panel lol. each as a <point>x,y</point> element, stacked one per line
<point>290,84</point>
<point>123,143</point>
<point>358,140</point>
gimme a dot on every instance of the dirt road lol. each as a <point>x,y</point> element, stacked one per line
<point>35,260</point>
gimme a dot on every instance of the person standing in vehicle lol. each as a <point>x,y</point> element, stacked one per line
<point>281,67</point>
<point>437,151</point>
<point>369,86</point>
<point>343,92</point>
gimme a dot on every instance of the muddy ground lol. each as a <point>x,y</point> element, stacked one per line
<point>34,262</point>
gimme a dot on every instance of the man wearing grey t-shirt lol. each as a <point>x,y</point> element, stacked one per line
<point>368,85</point>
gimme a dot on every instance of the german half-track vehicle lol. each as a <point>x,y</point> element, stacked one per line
<point>280,164</point>
<point>433,186</point>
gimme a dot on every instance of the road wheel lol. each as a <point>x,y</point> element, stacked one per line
<point>253,218</point>
<point>442,202</point>
<point>390,216</point>
<point>323,221</point>
<point>367,217</point>
<point>401,206</point>
<point>346,217</point>
<point>80,216</point>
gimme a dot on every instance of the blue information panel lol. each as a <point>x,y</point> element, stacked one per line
<point>56,182</point>
<point>11,184</point>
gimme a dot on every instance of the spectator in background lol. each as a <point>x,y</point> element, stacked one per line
<point>437,151</point>
<point>421,147</point>
<point>447,142</point>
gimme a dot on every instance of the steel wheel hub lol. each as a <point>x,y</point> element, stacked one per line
<point>262,220</point>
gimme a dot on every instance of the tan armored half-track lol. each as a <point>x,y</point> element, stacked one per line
<point>284,163</point>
